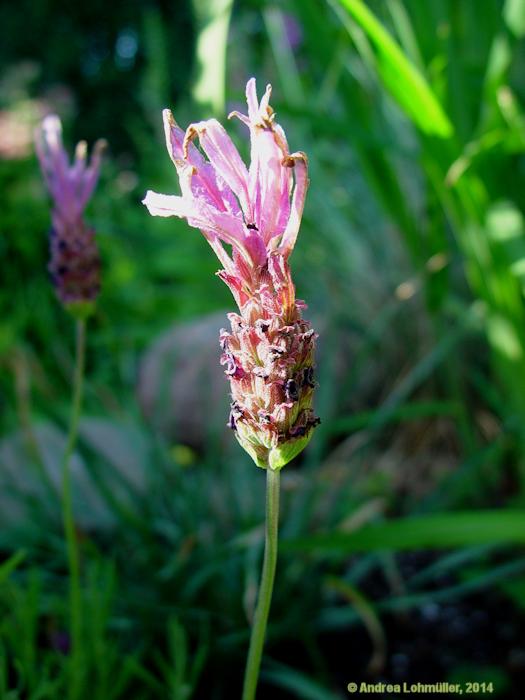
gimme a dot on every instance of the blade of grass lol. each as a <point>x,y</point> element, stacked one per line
<point>449,562</point>
<point>284,56</point>
<point>514,15</point>
<point>406,84</point>
<point>297,683</point>
<point>214,17</point>
<point>369,617</point>
<point>7,568</point>
<point>443,530</point>
<point>338,617</point>
<point>415,410</point>
<point>405,32</point>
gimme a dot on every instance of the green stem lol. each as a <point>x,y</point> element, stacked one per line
<point>75,603</point>
<point>265,590</point>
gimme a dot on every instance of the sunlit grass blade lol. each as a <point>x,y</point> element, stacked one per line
<point>405,31</point>
<point>214,20</point>
<point>432,531</point>
<point>405,83</point>
<point>514,14</point>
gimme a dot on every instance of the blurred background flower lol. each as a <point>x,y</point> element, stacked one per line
<point>75,264</point>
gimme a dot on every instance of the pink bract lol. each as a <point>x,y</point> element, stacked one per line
<point>257,210</point>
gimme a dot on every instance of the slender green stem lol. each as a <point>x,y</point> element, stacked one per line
<point>265,590</point>
<point>23,406</point>
<point>75,603</point>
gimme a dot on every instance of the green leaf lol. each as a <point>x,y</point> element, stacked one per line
<point>516,591</point>
<point>338,617</point>
<point>429,531</point>
<point>405,83</point>
<point>299,685</point>
<point>415,410</point>
<point>214,20</point>
<point>7,567</point>
<point>514,15</point>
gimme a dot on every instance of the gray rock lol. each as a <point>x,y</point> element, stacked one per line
<point>182,388</point>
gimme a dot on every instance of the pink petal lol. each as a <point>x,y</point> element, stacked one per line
<point>170,205</point>
<point>167,205</point>
<point>264,107</point>
<point>224,158</point>
<point>284,203</point>
<point>89,176</point>
<point>270,182</point>
<point>200,215</point>
<point>71,186</point>
<point>79,164</point>
<point>175,139</point>
<point>205,183</point>
<point>252,101</point>
<point>250,210</point>
<point>236,287</point>
<point>299,162</point>
<point>243,118</point>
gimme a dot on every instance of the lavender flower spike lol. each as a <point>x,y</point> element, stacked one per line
<point>75,262</point>
<point>268,355</point>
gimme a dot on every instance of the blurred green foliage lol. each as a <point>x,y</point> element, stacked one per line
<point>412,260</point>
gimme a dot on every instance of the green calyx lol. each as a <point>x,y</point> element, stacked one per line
<point>282,454</point>
<point>80,310</point>
<point>271,457</point>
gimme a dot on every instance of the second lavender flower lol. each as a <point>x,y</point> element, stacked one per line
<point>75,264</point>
